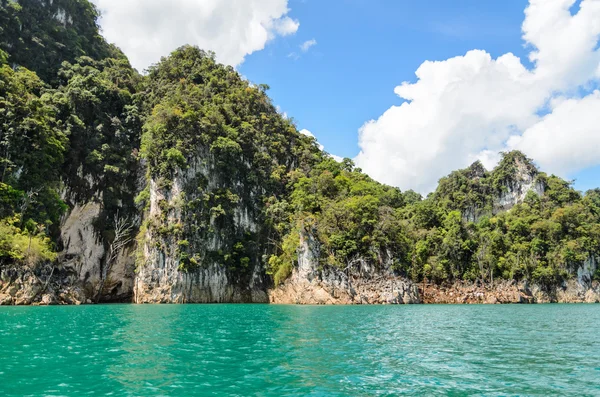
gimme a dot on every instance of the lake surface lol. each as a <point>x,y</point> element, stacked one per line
<point>262,350</point>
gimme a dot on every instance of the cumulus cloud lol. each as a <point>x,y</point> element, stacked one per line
<point>321,147</point>
<point>146,30</point>
<point>567,139</point>
<point>472,106</point>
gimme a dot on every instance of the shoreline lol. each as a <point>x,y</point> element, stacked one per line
<point>322,288</point>
<point>38,304</point>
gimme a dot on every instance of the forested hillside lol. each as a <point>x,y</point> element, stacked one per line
<point>206,172</point>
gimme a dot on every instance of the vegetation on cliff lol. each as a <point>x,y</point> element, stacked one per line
<point>234,182</point>
<point>544,238</point>
<point>227,150</point>
<point>32,148</point>
<point>70,124</point>
<point>99,107</point>
<point>41,34</point>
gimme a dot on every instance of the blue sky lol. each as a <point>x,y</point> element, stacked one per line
<point>510,74</point>
<point>365,48</point>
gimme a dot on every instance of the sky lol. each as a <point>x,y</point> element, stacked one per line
<point>409,89</point>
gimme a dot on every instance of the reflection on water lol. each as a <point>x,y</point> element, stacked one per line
<point>241,350</point>
<point>145,349</point>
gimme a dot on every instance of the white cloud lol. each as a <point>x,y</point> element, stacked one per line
<point>307,44</point>
<point>567,139</point>
<point>473,106</point>
<point>281,112</point>
<point>310,134</point>
<point>146,30</point>
<point>321,147</point>
<point>304,47</point>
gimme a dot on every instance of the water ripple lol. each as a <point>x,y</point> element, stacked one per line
<point>261,350</point>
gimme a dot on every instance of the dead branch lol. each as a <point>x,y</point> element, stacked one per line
<point>123,236</point>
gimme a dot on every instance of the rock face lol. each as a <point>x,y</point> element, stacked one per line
<point>49,285</point>
<point>84,255</point>
<point>471,293</point>
<point>309,284</point>
<point>160,278</point>
<point>510,292</point>
<point>360,284</point>
<point>76,277</point>
<point>522,182</point>
<point>580,290</point>
<point>333,287</point>
<point>83,251</point>
<point>161,282</point>
<point>162,273</point>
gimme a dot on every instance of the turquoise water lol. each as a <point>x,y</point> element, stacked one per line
<point>261,350</point>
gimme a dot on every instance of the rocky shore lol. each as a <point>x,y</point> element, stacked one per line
<point>509,292</point>
<point>390,290</point>
<point>346,291</point>
<point>307,286</point>
<point>49,286</point>
<point>383,290</point>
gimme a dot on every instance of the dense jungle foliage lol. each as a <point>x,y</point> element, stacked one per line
<point>78,124</point>
<point>544,238</point>
<point>232,150</point>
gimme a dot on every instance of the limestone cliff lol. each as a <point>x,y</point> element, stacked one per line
<point>84,256</point>
<point>513,189</point>
<point>182,255</point>
<point>188,185</point>
<point>181,266</point>
<point>359,283</point>
<point>80,274</point>
<point>363,284</point>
